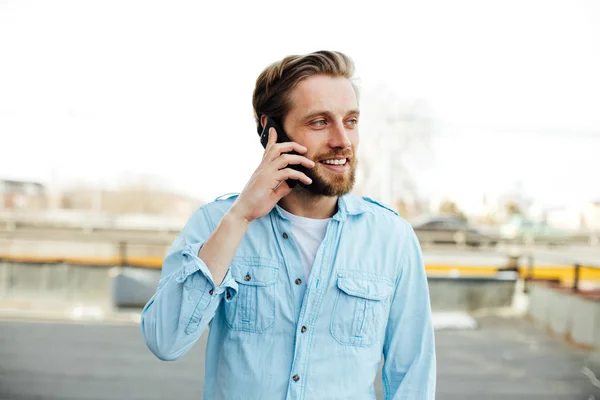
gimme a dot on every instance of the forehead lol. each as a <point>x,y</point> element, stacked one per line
<point>319,92</point>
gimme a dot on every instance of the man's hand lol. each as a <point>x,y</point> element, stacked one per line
<point>267,185</point>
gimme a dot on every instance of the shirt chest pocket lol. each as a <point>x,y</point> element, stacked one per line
<point>361,308</point>
<point>252,309</point>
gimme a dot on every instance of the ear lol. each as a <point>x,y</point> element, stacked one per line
<point>263,120</point>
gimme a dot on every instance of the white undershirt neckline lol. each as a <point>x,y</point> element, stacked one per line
<point>308,233</point>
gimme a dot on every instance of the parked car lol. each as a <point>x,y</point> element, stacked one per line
<point>522,230</point>
<point>450,229</point>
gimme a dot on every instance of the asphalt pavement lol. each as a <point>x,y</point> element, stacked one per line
<point>505,358</point>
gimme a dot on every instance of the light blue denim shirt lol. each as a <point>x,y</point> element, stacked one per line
<point>275,335</point>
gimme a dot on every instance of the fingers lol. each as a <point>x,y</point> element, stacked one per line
<point>291,159</point>
<point>288,173</point>
<point>277,149</point>
<point>287,147</point>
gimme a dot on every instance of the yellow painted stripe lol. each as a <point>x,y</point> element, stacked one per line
<point>150,262</point>
<point>436,269</point>
<point>563,272</point>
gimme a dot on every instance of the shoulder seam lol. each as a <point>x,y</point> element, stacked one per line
<point>380,205</point>
<point>208,219</point>
<point>227,196</point>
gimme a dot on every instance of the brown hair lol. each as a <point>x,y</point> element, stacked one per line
<point>276,82</point>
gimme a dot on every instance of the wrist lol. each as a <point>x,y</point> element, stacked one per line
<point>237,217</point>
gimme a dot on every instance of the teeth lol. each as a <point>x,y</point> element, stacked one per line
<point>335,162</point>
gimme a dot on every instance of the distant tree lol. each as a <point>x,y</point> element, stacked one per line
<point>402,208</point>
<point>449,207</point>
<point>512,208</point>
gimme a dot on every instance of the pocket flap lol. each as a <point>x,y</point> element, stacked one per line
<point>371,288</point>
<point>254,275</point>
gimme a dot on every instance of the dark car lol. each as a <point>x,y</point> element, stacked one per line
<point>450,230</point>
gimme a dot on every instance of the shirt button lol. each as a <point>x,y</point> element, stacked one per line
<point>285,235</point>
<point>211,292</point>
<point>303,329</point>
<point>228,295</point>
<point>247,278</point>
<point>296,378</point>
<point>298,281</point>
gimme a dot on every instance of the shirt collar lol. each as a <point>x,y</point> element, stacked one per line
<point>348,205</point>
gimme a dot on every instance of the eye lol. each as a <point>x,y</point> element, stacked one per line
<point>353,121</point>
<point>320,122</point>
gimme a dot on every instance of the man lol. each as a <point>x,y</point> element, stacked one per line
<point>304,289</point>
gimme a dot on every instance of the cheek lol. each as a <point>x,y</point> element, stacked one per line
<point>314,147</point>
<point>313,151</point>
<point>307,141</point>
<point>354,137</point>
<point>311,155</point>
<point>354,144</point>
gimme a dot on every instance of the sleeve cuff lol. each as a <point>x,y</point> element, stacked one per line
<point>193,263</point>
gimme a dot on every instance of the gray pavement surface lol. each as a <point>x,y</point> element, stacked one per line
<point>505,358</point>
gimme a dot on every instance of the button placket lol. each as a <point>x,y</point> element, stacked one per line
<point>284,240</point>
<point>312,299</point>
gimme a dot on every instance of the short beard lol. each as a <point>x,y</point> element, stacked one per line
<point>336,187</point>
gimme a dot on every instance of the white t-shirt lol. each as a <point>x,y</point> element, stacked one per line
<point>308,234</point>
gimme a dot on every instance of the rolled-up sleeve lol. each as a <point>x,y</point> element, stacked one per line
<point>193,264</point>
<point>186,298</point>
<point>409,370</point>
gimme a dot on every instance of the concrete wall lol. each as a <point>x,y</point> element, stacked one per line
<point>585,327</point>
<point>133,287</point>
<point>539,302</point>
<point>54,283</point>
<point>65,284</point>
<point>471,293</point>
<point>574,316</point>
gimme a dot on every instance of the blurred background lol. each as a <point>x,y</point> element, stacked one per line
<point>480,125</point>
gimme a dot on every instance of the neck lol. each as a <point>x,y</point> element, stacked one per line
<point>306,204</point>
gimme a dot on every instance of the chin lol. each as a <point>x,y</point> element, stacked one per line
<point>330,186</point>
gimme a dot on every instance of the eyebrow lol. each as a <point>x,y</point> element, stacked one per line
<point>314,114</point>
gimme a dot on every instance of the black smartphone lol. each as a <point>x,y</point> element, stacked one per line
<point>281,138</point>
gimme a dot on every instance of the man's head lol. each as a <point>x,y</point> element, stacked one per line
<point>315,101</point>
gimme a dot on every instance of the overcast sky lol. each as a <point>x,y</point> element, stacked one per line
<point>101,91</point>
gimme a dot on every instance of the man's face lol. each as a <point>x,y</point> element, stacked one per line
<point>324,118</point>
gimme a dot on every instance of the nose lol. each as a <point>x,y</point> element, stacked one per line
<point>338,136</point>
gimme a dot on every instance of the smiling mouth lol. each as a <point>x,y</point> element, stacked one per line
<point>336,161</point>
<point>336,165</point>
